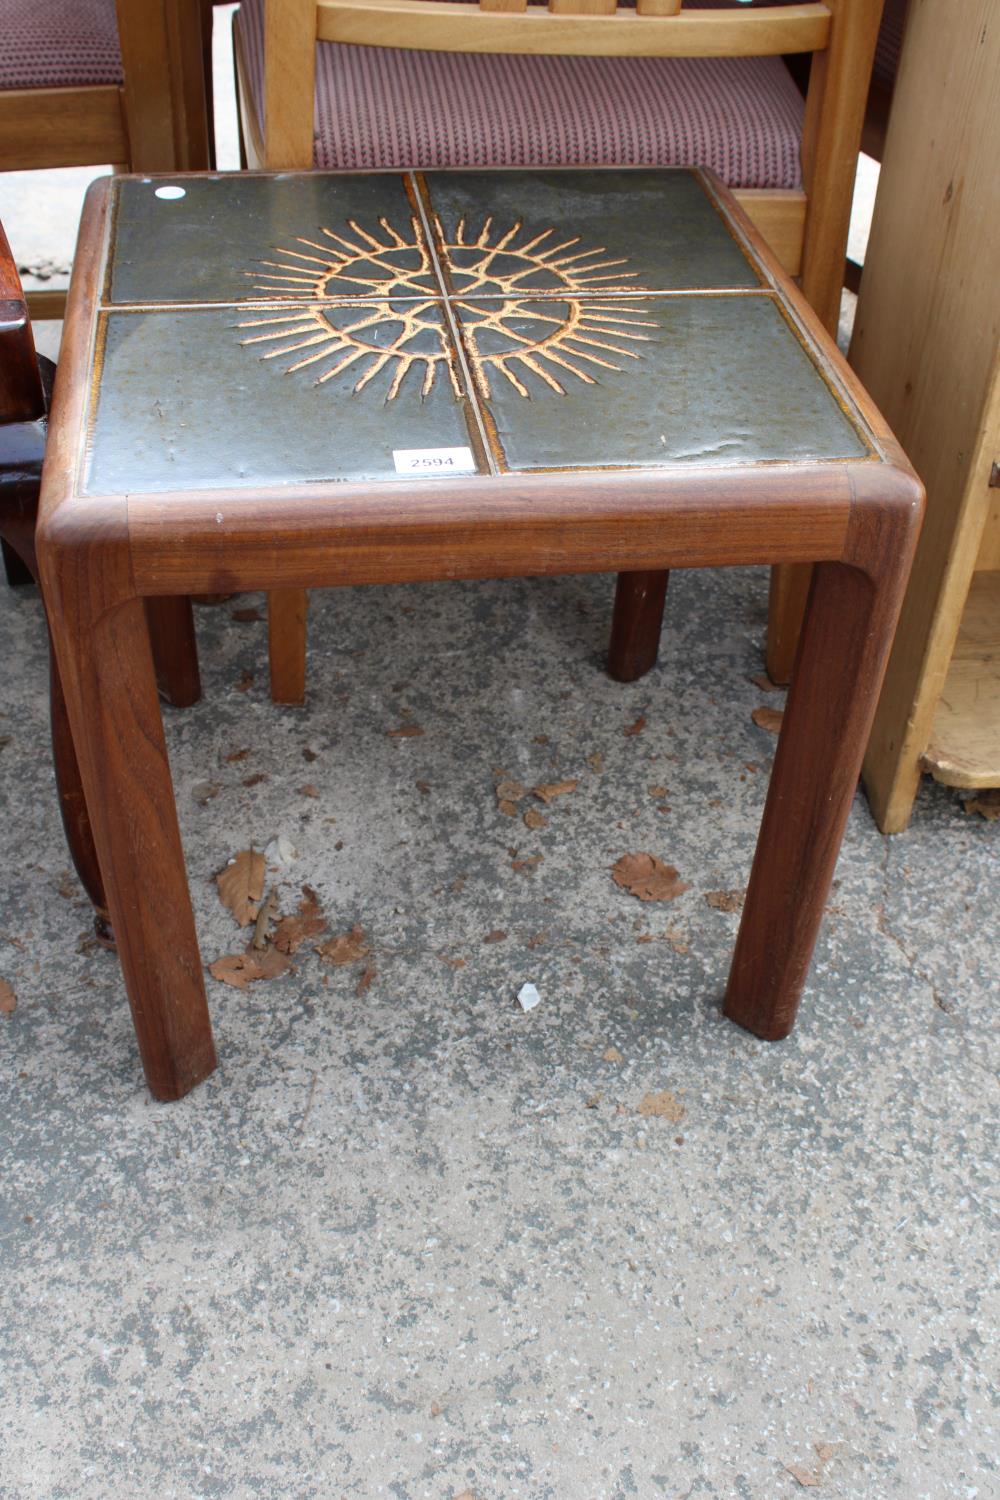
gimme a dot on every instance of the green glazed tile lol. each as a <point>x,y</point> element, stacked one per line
<point>188,402</point>
<point>563,231</point>
<point>236,236</point>
<point>641,382</point>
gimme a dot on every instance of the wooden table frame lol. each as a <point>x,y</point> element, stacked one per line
<point>101,558</point>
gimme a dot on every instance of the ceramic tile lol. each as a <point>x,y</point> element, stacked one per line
<point>566,231</point>
<point>635,382</point>
<point>231,397</point>
<point>232,237</point>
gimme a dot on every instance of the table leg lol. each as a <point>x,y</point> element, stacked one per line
<point>843,650</point>
<point>637,623</point>
<point>107,672</point>
<point>72,803</point>
<point>286,629</point>
<point>175,651</point>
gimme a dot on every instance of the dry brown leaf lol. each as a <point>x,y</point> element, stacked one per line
<point>611,1054</point>
<point>238,755</point>
<point>204,791</point>
<point>241,885</point>
<point>453,963</point>
<point>647,877</point>
<point>245,682</point>
<point>676,941</point>
<point>657,791</point>
<point>310,755</point>
<point>541,739</point>
<point>803,1476</point>
<point>8,1000</point>
<point>528,864</point>
<point>495,937</point>
<point>436,1408</point>
<point>423,787</point>
<point>596,761</point>
<point>662,1106</point>
<point>255,779</point>
<point>637,727</point>
<point>241,969</point>
<point>534,819</point>
<point>348,948</point>
<point>509,790</point>
<point>364,982</point>
<point>537,939</point>
<point>308,789</point>
<point>246,616</point>
<point>986,804</point>
<point>405,732</point>
<point>768,718</point>
<point>509,809</point>
<point>761,680</point>
<point>291,932</point>
<point>726,900</point>
<point>548,790</point>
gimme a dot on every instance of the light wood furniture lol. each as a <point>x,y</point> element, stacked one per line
<point>927,344</point>
<point>156,120</point>
<point>367,420</point>
<point>806,228</point>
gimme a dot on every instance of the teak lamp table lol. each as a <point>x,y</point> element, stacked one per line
<point>303,380</point>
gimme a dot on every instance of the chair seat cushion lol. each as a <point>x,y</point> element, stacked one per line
<point>53,44</point>
<point>381,107</point>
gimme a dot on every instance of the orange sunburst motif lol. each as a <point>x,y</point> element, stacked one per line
<point>525,304</point>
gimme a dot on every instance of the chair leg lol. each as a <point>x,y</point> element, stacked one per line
<point>846,637</point>
<point>286,632</point>
<point>636,625</point>
<point>786,607</point>
<point>175,650</point>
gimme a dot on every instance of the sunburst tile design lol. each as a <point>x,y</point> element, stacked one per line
<point>526,303</point>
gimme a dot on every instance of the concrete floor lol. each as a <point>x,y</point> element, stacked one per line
<point>411,1242</point>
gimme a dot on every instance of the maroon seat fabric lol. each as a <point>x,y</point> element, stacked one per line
<point>381,107</point>
<point>52,44</point>
<point>890,42</point>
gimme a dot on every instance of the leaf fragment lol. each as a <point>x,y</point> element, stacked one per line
<point>664,1106</point>
<point>548,790</point>
<point>241,969</point>
<point>241,885</point>
<point>648,878</point>
<point>768,718</point>
<point>405,732</point>
<point>534,819</point>
<point>636,728</point>
<point>8,1000</point>
<point>308,921</point>
<point>726,900</point>
<point>348,948</point>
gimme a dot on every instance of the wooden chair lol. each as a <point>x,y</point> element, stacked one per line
<point>90,82</point>
<point>432,58</point>
<point>26,381</point>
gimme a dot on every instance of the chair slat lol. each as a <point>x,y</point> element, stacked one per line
<point>446,26</point>
<point>506,5</point>
<point>583,7</point>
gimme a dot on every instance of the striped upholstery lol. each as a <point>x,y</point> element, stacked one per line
<point>51,44</point>
<point>380,107</point>
<point>890,42</point>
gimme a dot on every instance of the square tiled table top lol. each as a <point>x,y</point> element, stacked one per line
<point>263,330</point>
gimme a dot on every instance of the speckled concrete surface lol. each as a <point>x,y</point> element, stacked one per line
<point>413,1243</point>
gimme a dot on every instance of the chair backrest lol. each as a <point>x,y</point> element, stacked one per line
<point>839,33</point>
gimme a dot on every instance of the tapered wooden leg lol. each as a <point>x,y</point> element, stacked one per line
<point>107,672</point>
<point>842,656</point>
<point>175,650</point>
<point>786,607</point>
<point>636,625</point>
<point>286,631</point>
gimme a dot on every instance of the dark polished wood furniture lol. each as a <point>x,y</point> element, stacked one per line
<point>304,380</point>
